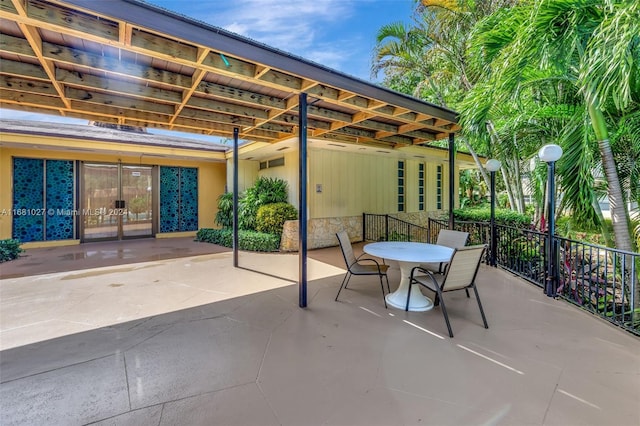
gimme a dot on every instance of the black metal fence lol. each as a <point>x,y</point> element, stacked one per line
<point>521,251</point>
<point>382,227</point>
<point>601,280</point>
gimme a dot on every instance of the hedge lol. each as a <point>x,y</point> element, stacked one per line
<point>247,240</point>
<point>503,217</point>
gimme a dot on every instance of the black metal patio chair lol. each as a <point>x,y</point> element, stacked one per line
<point>358,265</point>
<point>459,275</point>
<point>447,238</point>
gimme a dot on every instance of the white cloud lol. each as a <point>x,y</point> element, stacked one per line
<point>297,26</point>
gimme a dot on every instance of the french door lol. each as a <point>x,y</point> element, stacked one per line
<point>117,201</point>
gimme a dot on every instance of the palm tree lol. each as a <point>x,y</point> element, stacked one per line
<point>613,77</point>
<point>429,60</point>
<point>567,43</point>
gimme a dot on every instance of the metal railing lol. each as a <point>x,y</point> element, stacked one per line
<point>601,280</point>
<point>383,227</point>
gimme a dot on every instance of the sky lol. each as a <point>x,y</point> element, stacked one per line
<point>339,34</point>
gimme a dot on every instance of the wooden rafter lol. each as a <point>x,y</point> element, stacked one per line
<point>80,62</point>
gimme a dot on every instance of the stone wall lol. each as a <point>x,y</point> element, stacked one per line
<point>420,218</point>
<point>321,232</point>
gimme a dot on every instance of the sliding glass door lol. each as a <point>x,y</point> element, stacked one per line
<point>117,201</point>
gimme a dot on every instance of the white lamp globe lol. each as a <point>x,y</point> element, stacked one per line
<point>549,153</point>
<point>493,165</point>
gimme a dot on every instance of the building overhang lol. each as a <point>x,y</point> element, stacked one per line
<point>95,140</point>
<point>261,151</point>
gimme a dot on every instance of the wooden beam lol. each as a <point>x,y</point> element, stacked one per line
<point>163,47</point>
<point>114,66</point>
<point>244,96</point>
<point>23,70</point>
<point>227,108</point>
<point>17,45</point>
<point>33,37</point>
<point>91,82</point>
<point>289,104</point>
<point>27,86</point>
<point>31,100</point>
<point>128,103</point>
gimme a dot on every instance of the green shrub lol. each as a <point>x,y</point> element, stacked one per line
<point>271,217</point>
<point>568,228</point>
<point>224,216</point>
<point>503,217</point>
<point>221,237</point>
<point>264,191</point>
<point>247,240</point>
<point>9,250</point>
<point>258,241</point>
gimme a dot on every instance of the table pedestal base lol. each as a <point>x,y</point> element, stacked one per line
<point>398,299</point>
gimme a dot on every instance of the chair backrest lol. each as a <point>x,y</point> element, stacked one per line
<point>463,267</point>
<point>345,246</point>
<point>453,239</point>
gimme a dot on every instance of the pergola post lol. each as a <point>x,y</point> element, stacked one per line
<point>235,196</point>
<point>452,164</point>
<point>302,202</point>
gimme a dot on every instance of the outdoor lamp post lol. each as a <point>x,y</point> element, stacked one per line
<point>550,154</point>
<point>493,166</point>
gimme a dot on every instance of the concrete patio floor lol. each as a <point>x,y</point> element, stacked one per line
<point>194,341</point>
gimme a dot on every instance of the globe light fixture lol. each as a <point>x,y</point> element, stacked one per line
<point>550,154</point>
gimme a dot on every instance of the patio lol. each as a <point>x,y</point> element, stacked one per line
<point>256,358</point>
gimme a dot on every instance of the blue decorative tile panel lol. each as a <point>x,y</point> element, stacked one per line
<point>178,199</point>
<point>59,199</point>
<point>169,199</point>
<point>188,199</point>
<point>28,202</point>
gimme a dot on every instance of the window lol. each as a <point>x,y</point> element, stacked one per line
<point>421,187</point>
<point>439,187</point>
<point>400,186</point>
<point>276,162</point>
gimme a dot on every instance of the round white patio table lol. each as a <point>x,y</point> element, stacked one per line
<point>409,255</point>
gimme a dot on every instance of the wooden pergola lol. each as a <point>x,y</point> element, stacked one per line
<point>134,64</point>
<point>131,63</point>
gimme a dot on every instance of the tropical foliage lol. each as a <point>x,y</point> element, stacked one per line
<point>503,217</point>
<point>247,240</point>
<point>9,249</point>
<point>264,191</point>
<point>527,73</point>
<point>271,217</point>
<point>262,211</point>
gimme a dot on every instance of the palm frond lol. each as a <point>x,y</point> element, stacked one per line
<point>614,75</point>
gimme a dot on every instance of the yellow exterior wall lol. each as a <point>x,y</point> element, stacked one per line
<point>249,171</point>
<point>350,184</point>
<point>355,183</point>
<point>247,174</point>
<point>211,180</point>
<point>289,173</point>
<point>5,194</point>
<point>211,176</point>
